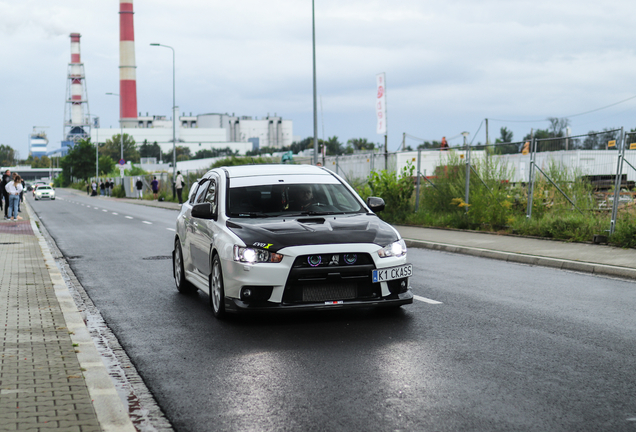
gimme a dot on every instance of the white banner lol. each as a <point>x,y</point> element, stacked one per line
<point>380,103</point>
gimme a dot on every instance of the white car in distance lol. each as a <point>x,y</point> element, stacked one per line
<point>44,192</point>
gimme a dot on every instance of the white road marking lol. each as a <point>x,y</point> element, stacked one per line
<point>171,229</point>
<point>129,217</point>
<point>426,300</point>
<point>115,213</point>
<point>146,222</point>
<point>105,210</point>
<point>96,208</point>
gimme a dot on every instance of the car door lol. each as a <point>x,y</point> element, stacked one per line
<point>205,230</point>
<point>191,224</point>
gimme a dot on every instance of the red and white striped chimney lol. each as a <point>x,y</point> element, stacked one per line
<point>127,73</point>
<point>76,75</point>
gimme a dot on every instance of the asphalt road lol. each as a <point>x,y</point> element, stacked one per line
<point>503,346</point>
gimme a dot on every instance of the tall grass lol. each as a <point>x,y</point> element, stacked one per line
<point>495,205</point>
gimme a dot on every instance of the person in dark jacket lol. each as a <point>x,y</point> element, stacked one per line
<point>102,188</point>
<point>6,179</point>
<point>140,187</point>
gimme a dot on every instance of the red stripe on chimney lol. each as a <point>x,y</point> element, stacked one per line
<point>75,58</point>
<point>128,92</point>
<point>126,27</point>
<point>125,7</point>
<point>76,97</point>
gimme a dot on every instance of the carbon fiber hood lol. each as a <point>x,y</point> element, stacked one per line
<point>274,235</point>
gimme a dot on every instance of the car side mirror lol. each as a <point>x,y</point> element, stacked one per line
<point>376,204</point>
<point>204,211</point>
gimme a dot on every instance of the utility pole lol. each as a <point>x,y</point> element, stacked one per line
<point>313,39</point>
<point>487,142</point>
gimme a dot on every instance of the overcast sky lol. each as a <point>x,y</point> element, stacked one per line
<point>448,64</point>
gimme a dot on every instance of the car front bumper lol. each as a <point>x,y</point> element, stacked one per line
<point>236,305</point>
<point>287,284</point>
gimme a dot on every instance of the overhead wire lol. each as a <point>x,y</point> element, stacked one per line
<point>568,116</point>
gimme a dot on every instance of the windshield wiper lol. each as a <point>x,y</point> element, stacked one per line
<point>318,213</point>
<point>250,215</point>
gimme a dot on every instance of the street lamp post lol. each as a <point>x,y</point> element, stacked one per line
<point>121,127</point>
<point>174,119</point>
<point>313,43</point>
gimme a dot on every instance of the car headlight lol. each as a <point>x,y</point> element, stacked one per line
<point>251,255</point>
<point>395,249</point>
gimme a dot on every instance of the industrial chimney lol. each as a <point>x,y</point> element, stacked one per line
<point>127,73</point>
<point>76,123</point>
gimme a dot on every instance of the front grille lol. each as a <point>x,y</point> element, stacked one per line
<point>330,277</point>
<point>328,292</point>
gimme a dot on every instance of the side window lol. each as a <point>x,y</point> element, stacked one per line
<point>210,196</point>
<point>201,192</point>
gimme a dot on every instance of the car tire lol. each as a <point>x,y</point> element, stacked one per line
<point>217,293</point>
<point>178,271</point>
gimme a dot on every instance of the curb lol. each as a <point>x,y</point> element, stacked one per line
<point>563,264</point>
<point>111,414</point>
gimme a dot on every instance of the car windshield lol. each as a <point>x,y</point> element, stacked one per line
<point>43,187</point>
<point>291,200</point>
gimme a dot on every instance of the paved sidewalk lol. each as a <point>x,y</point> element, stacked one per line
<point>590,258</point>
<point>51,375</point>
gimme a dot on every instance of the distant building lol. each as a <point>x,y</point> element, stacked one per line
<point>206,131</point>
<point>38,143</point>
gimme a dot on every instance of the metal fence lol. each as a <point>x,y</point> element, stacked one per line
<point>594,172</point>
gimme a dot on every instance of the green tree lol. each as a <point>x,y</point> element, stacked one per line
<point>79,161</point>
<point>210,153</point>
<point>334,147</point>
<point>358,144</point>
<point>429,145</point>
<point>112,148</point>
<point>150,150</point>
<point>182,153</point>
<point>38,162</point>
<point>7,155</point>
<point>106,165</point>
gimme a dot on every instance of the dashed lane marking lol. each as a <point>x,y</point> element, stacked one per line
<point>171,229</point>
<point>104,210</point>
<point>129,217</point>
<point>146,222</point>
<point>426,300</point>
<point>115,213</point>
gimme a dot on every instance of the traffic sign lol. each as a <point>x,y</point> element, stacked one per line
<point>122,162</point>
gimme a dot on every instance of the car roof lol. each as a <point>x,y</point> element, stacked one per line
<point>271,169</point>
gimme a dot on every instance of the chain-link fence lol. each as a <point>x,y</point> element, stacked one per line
<point>587,174</point>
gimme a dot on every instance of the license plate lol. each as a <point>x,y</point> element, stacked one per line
<point>392,273</point>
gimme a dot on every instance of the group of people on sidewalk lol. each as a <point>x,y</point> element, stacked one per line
<point>12,188</point>
<point>105,187</point>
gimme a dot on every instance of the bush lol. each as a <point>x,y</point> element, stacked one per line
<point>625,232</point>
<point>235,161</point>
<point>119,191</point>
<point>397,192</point>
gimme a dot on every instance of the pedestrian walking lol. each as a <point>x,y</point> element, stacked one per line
<point>6,178</point>
<point>94,188</point>
<point>139,185</point>
<point>178,184</point>
<point>102,188</point>
<point>155,187</point>
<point>109,186</point>
<point>13,188</point>
<point>88,188</point>
<point>21,196</point>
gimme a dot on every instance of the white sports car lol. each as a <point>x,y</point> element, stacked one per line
<point>44,192</point>
<point>278,237</point>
